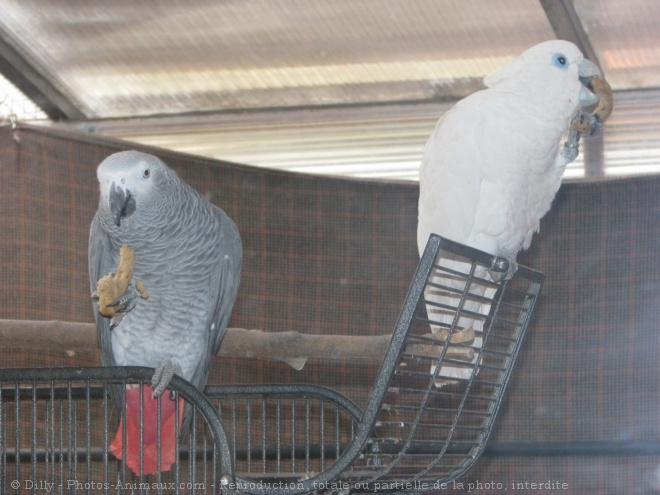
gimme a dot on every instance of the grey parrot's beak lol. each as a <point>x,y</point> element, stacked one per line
<point>122,203</point>
<point>587,70</point>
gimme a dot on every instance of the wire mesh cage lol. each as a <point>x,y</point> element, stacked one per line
<point>427,419</point>
<point>56,425</point>
<point>285,439</point>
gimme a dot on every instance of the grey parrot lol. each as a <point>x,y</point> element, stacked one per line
<point>188,255</point>
<point>493,165</point>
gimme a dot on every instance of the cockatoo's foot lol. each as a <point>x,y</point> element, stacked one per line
<point>504,267</point>
<point>571,147</point>
<point>163,375</point>
<point>587,124</point>
<point>582,124</point>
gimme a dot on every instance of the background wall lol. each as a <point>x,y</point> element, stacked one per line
<point>326,255</point>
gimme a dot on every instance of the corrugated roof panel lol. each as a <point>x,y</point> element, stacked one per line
<point>126,58</point>
<point>626,37</point>
<point>375,142</point>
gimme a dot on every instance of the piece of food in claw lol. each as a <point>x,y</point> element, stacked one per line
<point>603,109</point>
<point>114,285</point>
<point>144,293</point>
<point>606,101</point>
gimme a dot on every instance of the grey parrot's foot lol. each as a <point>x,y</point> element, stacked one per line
<point>126,302</point>
<point>163,376</point>
<point>123,305</point>
<point>116,320</point>
<point>504,267</point>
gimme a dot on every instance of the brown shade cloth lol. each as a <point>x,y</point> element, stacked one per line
<point>325,255</point>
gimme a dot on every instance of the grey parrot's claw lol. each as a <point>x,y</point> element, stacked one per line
<point>123,305</point>
<point>116,320</point>
<point>126,306</point>
<point>126,300</point>
<point>121,312</point>
<point>163,376</point>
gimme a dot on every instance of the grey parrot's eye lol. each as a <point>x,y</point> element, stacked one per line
<point>559,60</point>
<point>146,173</point>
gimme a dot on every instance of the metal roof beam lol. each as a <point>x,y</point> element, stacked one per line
<point>567,26</point>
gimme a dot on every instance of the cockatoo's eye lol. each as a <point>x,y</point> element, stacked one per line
<point>559,60</point>
<point>146,173</point>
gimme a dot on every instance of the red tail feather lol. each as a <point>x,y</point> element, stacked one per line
<point>149,431</point>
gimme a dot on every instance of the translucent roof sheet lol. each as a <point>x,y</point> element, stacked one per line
<point>626,37</point>
<point>127,58</point>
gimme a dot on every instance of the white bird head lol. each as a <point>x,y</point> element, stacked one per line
<point>132,184</point>
<point>555,67</point>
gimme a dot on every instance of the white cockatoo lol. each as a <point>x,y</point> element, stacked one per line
<point>494,163</point>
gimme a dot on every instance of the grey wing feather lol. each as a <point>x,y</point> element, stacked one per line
<point>227,282</point>
<point>102,260</point>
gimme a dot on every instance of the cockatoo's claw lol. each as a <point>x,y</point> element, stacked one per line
<point>503,268</point>
<point>95,296</point>
<point>571,146</point>
<point>582,124</point>
<point>587,124</point>
<point>163,376</point>
<point>597,126</point>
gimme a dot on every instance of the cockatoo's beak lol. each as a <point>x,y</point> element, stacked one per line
<point>122,203</point>
<point>587,70</point>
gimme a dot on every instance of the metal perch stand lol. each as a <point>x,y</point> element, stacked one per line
<point>412,436</point>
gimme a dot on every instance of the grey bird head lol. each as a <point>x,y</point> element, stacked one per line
<point>131,182</point>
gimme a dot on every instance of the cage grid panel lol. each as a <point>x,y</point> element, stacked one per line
<point>282,434</point>
<point>430,429</point>
<point>56,425</point>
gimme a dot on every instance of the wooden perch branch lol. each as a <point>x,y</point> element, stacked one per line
<point>293,348</point>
